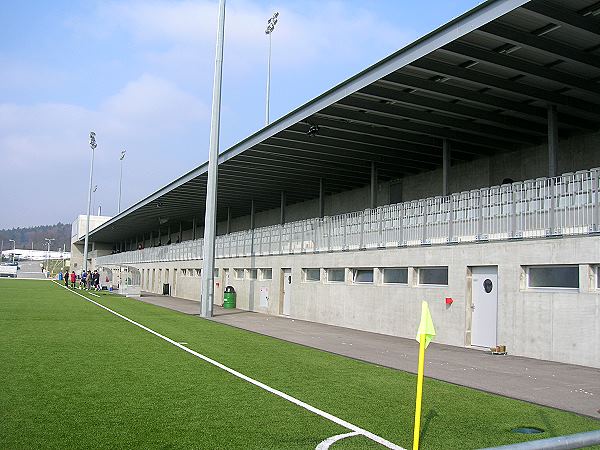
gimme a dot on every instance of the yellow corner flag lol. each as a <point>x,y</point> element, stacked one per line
<point>426,327</point>
<point>425,334</point>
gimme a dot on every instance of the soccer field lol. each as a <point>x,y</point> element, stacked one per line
<point>74,375</point>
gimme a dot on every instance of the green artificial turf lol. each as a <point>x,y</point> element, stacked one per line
<point>72,375</point>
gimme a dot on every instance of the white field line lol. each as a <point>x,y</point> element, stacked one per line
<point>333,439</point>
<point>95,295</point>
<point>235,373</point>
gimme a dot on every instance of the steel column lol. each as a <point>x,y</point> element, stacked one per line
<point>210,218</point>
<point>282,208</point>
<point>445,167</point>
<point>321,197</point>
<point>373,202</point>
<point>552,140</point>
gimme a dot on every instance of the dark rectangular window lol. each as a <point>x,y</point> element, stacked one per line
<point>437,276</point>
<point>553,277</point>
<point>396,275</point>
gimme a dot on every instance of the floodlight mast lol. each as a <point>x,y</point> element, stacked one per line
<point>93,146</point>
<point>48,241</point>
<point>210,218</point>
<point>270,28</point>
<point>121,178</point>
<point>13,252</point>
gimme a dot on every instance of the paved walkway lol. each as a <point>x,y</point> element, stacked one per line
<point>563,386</point>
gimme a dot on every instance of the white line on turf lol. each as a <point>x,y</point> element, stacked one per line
<point>327,442</point>
<point>95,295</point>
<point>257,383</point>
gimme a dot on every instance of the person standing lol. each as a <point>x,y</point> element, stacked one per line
<point>83,280</point>
<point>66,278</point>
<point>89,280</point>
<point>73,279</point>
<point>97,279</point>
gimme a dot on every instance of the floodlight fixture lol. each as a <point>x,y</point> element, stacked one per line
<point>270,28</point>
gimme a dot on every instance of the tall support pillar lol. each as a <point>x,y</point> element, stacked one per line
<point>210,218</point>
<point>445,167</point>
<point>552,140</point>
<point>282,208</point>
<point>228,219</point>
<point>194,228</point>
<point>252,215</point>
<point>373,202</point>
<point>321,197</point>
<point>180,233</point>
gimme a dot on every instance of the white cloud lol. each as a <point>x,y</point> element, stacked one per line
<point>44,151</point>
<point>319,32</point>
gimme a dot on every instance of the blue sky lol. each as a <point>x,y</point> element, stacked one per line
<point>139,73</point>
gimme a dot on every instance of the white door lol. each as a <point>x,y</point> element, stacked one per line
<point>287,291</point>
<point>484,305</point>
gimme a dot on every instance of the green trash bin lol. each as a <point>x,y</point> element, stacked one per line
<point>229,298</point>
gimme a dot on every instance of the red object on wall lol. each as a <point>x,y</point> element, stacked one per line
<point>217,283</point>
<point>449,301</point>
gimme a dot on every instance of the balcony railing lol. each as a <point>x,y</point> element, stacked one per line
<point>544,207</point>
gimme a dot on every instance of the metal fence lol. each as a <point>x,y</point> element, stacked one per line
<point>544,207</point>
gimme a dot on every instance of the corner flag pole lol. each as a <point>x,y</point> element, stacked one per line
<point>424,336</point>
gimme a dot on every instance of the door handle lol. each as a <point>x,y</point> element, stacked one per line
<point>472,307</point>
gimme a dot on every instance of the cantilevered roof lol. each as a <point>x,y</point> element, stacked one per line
<point>483,81</point>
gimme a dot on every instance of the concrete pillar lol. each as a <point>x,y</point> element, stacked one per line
<point>321,197</point>
<point>180,231</point>
<point>252,215</point>
<point>552,140</point>
<point>228,220</point>
<point>445,167</point>
<point>374,182</point>
<point>194,228</point>
<point>282,208</point>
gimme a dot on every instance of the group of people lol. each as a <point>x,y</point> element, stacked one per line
<point>87,280</point>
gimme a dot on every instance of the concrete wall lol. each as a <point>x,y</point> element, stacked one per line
<point>553,324</point>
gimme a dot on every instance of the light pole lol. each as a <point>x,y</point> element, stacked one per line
<point>94,198</point>
<point>93,146</point>
<point>270,28</point>
<point>121,177</point>
<point>210,217</point>
<point>48,241</point>
<point>14,245</point>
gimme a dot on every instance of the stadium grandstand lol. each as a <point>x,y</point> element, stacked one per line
<point>461,170</point>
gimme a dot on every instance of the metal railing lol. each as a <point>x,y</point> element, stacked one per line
<point>544,207</point>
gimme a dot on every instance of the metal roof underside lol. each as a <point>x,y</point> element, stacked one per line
<point>483,81</point>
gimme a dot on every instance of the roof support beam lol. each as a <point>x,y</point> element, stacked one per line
<point>330,153</point>
<point>456,109</point>
<point>439,120</point>
<point>321,197</point>
<point>503,84</point>
<point>521,66</point>
<point>472,96</point>
<point>405,125</point>
<point>562,16</point>
<point>540,43</point>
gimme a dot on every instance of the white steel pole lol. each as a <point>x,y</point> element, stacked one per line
<point>93,146</point>
<point>270,27</point>
<point>121,178</point>
<point>210,222</point>
<point>268,83</point>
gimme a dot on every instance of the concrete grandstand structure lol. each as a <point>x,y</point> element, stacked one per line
<point>461,170</point>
